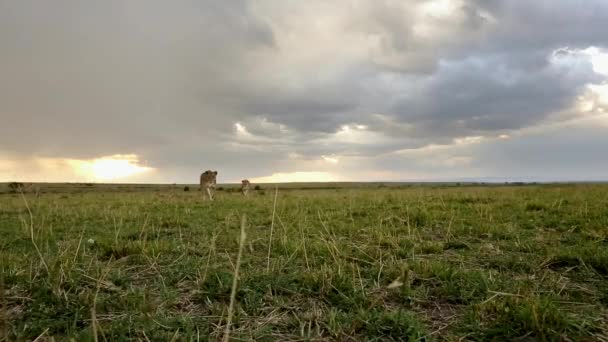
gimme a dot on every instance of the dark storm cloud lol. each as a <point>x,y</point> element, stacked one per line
<point>503,79</point>
<point>87,78</point>
<point>490,70</point>
<point>490,94</point>
<point>531,25</point>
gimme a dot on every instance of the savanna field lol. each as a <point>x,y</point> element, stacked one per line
<point>408,262</point>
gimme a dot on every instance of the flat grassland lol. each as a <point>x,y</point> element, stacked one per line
<point>417,262</point>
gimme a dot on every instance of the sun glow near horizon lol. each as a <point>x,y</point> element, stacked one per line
<point>109,168</point>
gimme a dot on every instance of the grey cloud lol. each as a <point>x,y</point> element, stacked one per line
<point>569,152</point>
<point>566,152</point>
<point>403,49</point>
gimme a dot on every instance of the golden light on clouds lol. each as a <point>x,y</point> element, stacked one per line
<point>119,167</point>
<point>303,177</point>
<point>109,168</point>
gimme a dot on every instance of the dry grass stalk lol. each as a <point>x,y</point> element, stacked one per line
<point>29,211</point>
<point>235,280</point>
<point>274,209</point>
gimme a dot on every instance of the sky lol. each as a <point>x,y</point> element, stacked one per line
<point>155,91</point>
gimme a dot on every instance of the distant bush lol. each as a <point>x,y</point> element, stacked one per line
<point>15,186</point>
<point>257,187</point>
<point>186,188</point>
<point>221,188</point>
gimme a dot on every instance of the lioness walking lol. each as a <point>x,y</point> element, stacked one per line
<point>245,186</point>
<point>208,182</point>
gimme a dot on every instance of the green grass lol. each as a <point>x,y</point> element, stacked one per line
<point>433,262</point>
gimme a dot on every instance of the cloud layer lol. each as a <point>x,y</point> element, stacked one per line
<point>347,89</point>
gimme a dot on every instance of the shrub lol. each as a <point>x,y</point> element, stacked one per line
<point>186,188</point>
<point>257,187</point>
<point>15,186</point>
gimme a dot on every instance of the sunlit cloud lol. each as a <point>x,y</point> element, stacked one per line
<point>267,124</point>
<point>585,104</point>
<point>601,90</point>
<point>330,159</point>
<point>259,131</point>
<point>355,134</point>
<point>462,142</point>
<point>599,60</point>
<point>593,100</point>
<point>567,56</point>
<point>468,140</point>
<point>241,130</point>
<point>438,8</point>
<point>289,177</point>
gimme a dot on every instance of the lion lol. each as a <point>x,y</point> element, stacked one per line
<point>208,182</point>
<point>245,186</point>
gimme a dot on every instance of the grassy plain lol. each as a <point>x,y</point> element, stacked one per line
<point>417,262</point>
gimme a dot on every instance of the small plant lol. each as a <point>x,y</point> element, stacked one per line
<point>186,188</point>
<point>257,187</point>
<point>535,207</point>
